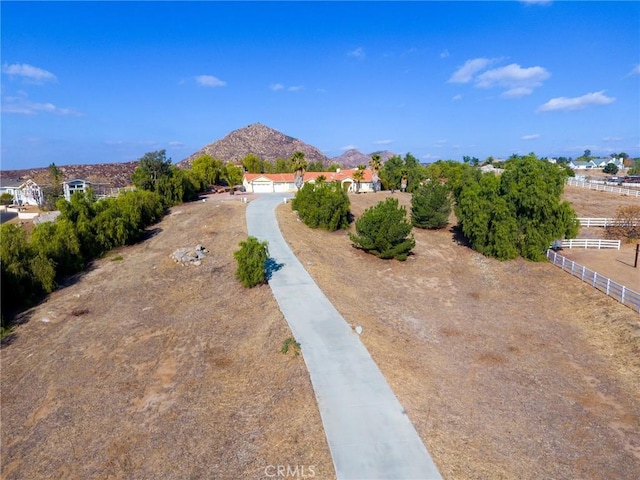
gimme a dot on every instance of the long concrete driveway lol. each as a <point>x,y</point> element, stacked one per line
<point>369,433</point>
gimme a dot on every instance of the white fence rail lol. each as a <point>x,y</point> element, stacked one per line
<point>624,295</point>
<point>604,188</point>
<point>596,222</point>
<point>588,243</point>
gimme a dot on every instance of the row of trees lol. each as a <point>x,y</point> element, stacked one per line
<point>519,213</point>
<point>32,265</point>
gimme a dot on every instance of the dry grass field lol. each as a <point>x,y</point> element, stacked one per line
<point>141,368</point>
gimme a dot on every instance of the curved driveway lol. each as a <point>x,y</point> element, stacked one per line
<point>369,433</point>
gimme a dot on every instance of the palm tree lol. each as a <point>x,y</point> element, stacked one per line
<point>375,163</point>
<point>358,176</point>
<point>299,165</point>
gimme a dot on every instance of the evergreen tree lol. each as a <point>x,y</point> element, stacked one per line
<point>384,231</point>
<point>430,206</point>
<point>322,205</point>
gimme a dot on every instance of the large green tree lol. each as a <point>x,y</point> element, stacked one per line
<point>153,168</point>
<point>207,169</point>
<point>519,213</point>
<point>322,205</point>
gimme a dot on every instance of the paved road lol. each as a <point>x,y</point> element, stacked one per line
<point>369,433</point>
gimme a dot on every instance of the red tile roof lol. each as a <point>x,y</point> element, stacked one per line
<point>289,177</point>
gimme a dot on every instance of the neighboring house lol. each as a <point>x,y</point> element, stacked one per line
<point>285,182</point>
<point>24,192</point>
<point>603,162</point>
<point>582,165</point>
<point>491,169</point>
<point>73,186</point>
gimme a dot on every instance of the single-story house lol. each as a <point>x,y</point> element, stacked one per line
<point>582,165</point>
<point>603,162</point>
<point>73,186</point>
<point>24,192</point>
<point>285,182</point>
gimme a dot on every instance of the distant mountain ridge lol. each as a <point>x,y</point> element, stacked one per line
<point>353,157</point>
<point>113,174</point>
<point>256,139</point>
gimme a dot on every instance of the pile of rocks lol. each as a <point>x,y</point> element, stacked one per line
<point>190,255</point>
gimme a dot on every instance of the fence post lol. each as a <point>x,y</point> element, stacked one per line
<point>583,268</point>
<point>622,297</point>
<point>608,283</point>
<point>595,276</point>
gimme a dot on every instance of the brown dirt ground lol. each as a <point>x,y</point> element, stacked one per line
<point>511,370</point>
<point>151,370</point>
<point>615,264</point>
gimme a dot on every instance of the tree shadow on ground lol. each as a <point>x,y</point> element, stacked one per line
<point>459,237</point>
<point>147,234</point>
<point>271,266</point>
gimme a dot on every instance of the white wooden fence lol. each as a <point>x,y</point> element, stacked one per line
<point>596,222</point>
<point>588,243</point>
<point>624,295</point>
<point>604,188</point>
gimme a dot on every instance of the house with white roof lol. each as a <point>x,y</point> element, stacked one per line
<point>24,192</point>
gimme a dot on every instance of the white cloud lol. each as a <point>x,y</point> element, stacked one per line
<point>23,106</point>
<point>383,142</point>
<point>176,144</point>
<point>350,147</point>
<point>576,103</point>
<point>465,73</point>
<point>29,72</point>
<point>517,92</point>
<point>530,137</point>
<point>536,2</point>
<point>517,80</point>
<point>357,53</point>
<point>209,81</point>
<point>457,98</point>
<point>612,139</point>
<point>296,88</point>
<point>634,71</point>
<point>444,54</point>
<point>276,86</point>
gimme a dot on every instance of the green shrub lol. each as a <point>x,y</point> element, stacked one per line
<point>384,231</point>
<point>290,344</point>
<point>322,205</point>
<point>430,206</point>
<point>6,199</point>
<point>251,260</point>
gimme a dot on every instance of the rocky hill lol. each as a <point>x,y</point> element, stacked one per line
<point>257,139</point>
<point>352,158</point>
<point>113,174</point>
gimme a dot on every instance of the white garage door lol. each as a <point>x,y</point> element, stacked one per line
<point>262,187</point>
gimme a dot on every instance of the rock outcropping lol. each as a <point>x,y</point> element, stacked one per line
<point>190,255</point>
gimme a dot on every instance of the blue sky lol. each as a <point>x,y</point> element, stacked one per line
<point>101,82</point>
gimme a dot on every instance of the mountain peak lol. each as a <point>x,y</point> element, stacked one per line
<point>257,139</point>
